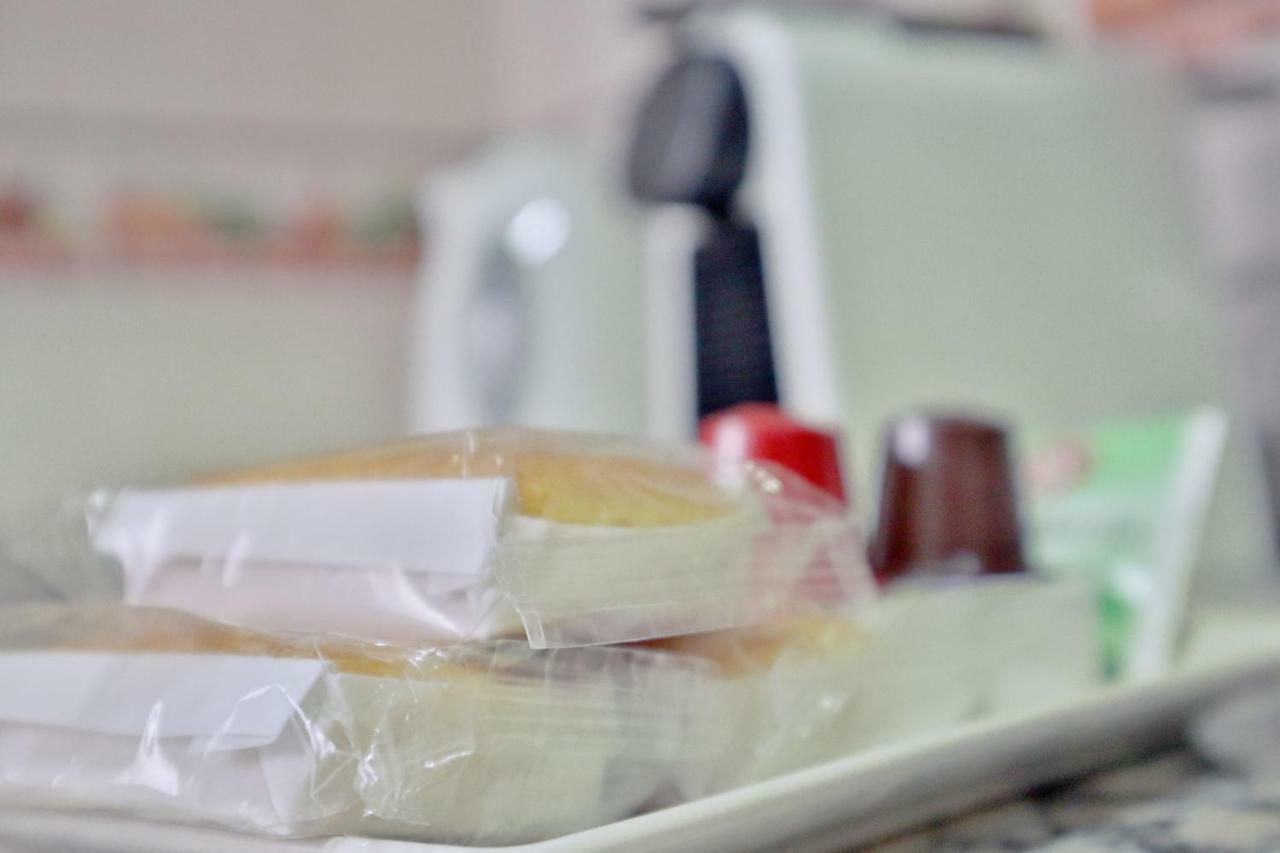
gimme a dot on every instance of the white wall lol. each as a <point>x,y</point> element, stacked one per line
<point>375,64</point>
<point>113,377</point>
<point>112,374</point>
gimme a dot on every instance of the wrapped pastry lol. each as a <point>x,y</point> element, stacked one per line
<point>161,714</point>
<point>566,539</point>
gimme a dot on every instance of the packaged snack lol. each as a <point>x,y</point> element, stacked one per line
<point>160,714</point>
<point>568,539</point>
<point>790,695</point>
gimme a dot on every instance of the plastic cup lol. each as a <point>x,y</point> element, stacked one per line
<point>948,502</point>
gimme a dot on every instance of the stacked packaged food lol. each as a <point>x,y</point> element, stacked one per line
<point>481,637</point>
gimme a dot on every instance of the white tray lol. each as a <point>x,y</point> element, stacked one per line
<point>847,802</point>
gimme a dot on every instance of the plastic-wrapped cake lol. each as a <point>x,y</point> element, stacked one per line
<point>574,539</point>
<point>162,714</point>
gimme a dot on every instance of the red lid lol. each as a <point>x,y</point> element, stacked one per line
<point>763,431</point>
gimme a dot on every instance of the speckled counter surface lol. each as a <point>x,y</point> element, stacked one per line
<point>1175,802</point>
<point>1219,793</point>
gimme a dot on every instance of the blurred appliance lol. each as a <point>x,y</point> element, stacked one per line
<point>531,305</point>
<point>939,217</point>
<point>1236,153</point>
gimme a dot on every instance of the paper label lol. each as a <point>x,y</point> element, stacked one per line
<point>224,701</point>
<point>437,526</point>
<point>1122,504</point>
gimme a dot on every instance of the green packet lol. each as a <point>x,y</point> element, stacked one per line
<point>1122,504</point>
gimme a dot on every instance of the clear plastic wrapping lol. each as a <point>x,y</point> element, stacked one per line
<point>162,714</point>
<point>567,539</point>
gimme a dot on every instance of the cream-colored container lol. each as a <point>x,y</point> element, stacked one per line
<point>924,658</point>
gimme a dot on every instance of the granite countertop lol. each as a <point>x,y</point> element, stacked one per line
<point>1174,802</point>
<point>1218,792</point>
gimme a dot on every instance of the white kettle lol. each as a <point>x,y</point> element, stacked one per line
<point>531,307</point>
